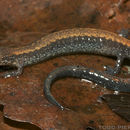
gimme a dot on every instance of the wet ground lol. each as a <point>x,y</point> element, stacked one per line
<point>23,105</point>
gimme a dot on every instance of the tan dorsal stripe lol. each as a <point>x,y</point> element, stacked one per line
<point>51,38</point>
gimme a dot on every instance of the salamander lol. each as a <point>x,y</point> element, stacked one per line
<point>69,41</point>
<point>101,78</point>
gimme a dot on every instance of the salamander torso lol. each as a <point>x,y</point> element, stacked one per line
<point>70,41</point>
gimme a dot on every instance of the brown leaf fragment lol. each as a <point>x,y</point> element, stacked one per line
<point>120,104</point>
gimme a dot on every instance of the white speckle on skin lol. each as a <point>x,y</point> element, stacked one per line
<point>74,69</point>
<point>116,92</point>
<point>94,86</point>
<point>96,74</point>
<point>7,76</point>
<point>100,82</point>
<point>90,72</point>
<point>100,40</point>
<point>102,77</point>
<point>85,80</point>
<point>105,87</point>
<point>104,67</point>
<point>88,39</point>
<point>112,81</point>
<point>50,76</point>
<point>118,65</point>
<point>62,108</point>
<point>121,35</point>
<point>106,79</point>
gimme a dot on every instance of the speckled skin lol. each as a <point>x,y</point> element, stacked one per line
<point>70,41</point>
<point>103,79</point>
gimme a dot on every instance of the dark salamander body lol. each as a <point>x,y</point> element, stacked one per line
<point>69,41</point>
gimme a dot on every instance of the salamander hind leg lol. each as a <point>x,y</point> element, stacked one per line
<point>15,69</point>
<point>12,73</point>
<point>117,68</point>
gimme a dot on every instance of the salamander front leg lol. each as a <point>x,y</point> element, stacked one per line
<point>117,68</point>
<point>120,58</point>
<point>12,73</point>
